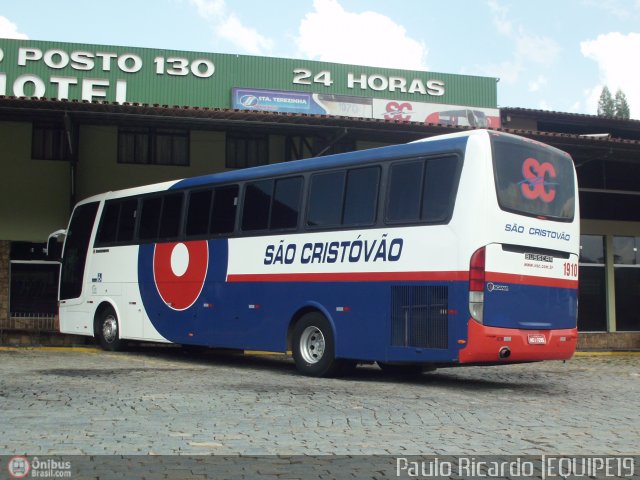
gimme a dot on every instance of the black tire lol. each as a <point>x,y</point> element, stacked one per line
<point>108,330</point>
<point>314,348</point>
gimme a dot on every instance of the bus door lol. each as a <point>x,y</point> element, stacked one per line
<point>76,317</point>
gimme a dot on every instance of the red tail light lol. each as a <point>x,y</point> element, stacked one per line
<point>476,285</point>
<point>476,271</point>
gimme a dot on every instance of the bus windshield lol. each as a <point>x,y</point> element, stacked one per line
<point>533,179</point>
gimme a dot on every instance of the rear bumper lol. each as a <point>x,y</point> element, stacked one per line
<point>484,344</point>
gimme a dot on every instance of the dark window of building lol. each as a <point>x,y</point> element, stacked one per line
<point>153,146</point>
<point>609,206</point>
<point>34,288</point>
<point>592,306</point>
<point>257,202</point>
<point>286,203</point>
<point>134,145</point>
<point>223,213</point>
<point>49,142</point>
<point>626,257</point>
<point>244,150</point>
<point>422,190</point>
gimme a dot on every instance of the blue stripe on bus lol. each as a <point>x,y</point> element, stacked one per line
<point>256,316</point>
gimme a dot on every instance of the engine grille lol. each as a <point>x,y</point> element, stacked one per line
<point>419,316</point>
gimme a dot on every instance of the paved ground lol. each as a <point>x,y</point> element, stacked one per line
<point>164,401</point>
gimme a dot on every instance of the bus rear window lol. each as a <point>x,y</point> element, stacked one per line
<point>533,179</point>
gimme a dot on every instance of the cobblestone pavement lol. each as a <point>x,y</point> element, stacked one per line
<point>165,401</point>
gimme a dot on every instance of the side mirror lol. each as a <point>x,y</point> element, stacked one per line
<point>54,245</point>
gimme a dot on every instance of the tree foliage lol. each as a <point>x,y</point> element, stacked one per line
<point>617,107</point>
<point>621,105</point>
<point>606,106</point>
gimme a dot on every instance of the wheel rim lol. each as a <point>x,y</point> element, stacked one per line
<point>312,344</point>
<point>110,329</point>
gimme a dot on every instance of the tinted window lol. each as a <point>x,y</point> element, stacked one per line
<point>286,203</point>
<point>199,213</point>
<point>150,218</point>
<point>533,179</point>
<point>171,215</point>
<point>76,246</point>
<point>325,199</point>
<point>127,220</point>
<point>422,190</point>
<point>107,231</point>
<point>223,213</point>
<point>117,222</point>
<point>439,188</point>
<point>361,196</point>
<point>405,191</point>
<point>257,202</point>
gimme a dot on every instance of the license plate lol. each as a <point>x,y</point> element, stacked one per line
<point>537,339</point>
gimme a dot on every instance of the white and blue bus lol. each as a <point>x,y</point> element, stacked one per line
<point>457,249</point>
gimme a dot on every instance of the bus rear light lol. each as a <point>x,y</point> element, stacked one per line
<point>476,284</point>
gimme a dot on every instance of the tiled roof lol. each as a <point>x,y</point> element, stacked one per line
<point>14,106</point>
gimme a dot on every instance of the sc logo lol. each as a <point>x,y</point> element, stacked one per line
<point>534,184</point>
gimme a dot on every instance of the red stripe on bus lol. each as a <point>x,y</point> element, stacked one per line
<point>530,280</point>
<point>349,277</point>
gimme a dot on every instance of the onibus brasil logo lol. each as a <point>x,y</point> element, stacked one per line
<point>20,466</point>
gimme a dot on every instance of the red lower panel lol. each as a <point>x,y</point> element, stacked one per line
<point>485,343</point>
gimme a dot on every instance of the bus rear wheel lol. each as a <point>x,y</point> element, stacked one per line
<point>108,330</point>
<point>314,347</point>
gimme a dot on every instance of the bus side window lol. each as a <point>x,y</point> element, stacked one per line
<point>127,220</point>
<point>171,218</point>
<point>361,196</point>
<point>405,190</point>
<point>286,203</point>
<point>437,198</point>
<point>422,190</point>
<point>257,204</point>
<point>199,212</point>
<point>150,219</point>
<point>325,199</point>
<point>223,213</point>
<point>108,229</point>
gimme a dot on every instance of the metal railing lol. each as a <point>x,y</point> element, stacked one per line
<point>30,322</point>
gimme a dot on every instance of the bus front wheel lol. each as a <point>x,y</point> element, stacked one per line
<point>108,330</point>
<point>314,346</point>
